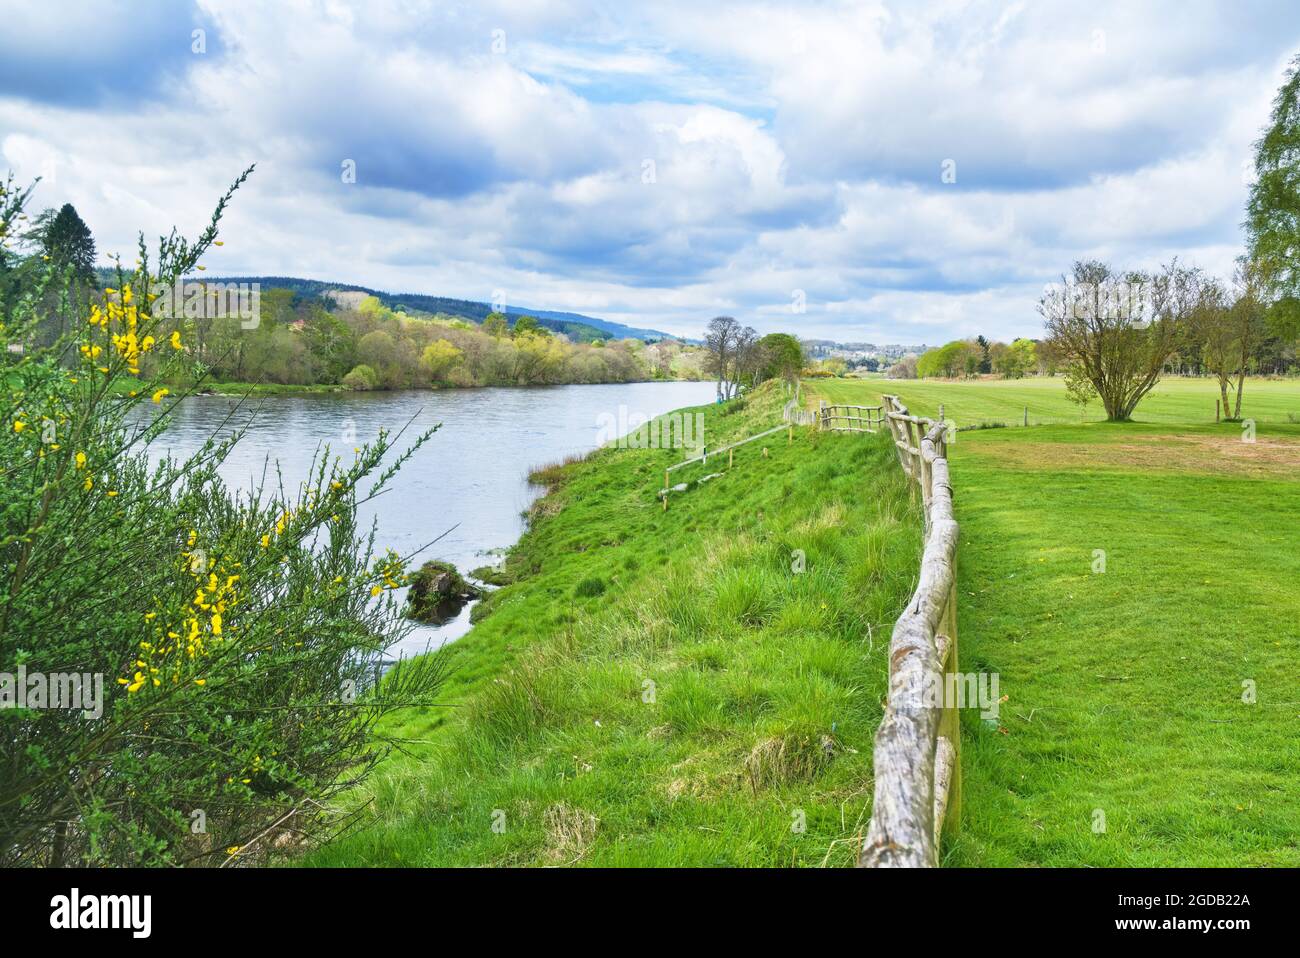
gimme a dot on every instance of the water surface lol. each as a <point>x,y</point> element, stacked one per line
<point>469,481</point>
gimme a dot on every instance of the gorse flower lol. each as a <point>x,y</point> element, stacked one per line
<point>174,653</point>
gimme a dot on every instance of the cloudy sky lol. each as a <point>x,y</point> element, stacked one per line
<point>912,172</point>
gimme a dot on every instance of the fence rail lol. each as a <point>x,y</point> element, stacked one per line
<point>841,417</point>
<point>917,753</point>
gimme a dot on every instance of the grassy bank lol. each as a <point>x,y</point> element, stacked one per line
<point>1125,686</point>
<point>663,688</point>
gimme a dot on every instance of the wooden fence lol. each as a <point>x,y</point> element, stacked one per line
<point>706,452</point>
<point>839,417</point>
<point>918,745</point>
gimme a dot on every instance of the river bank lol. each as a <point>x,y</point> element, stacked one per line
<point>696,686</point>
<point>289,389</point>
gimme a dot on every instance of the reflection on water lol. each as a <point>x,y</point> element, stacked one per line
<point>469,481</point>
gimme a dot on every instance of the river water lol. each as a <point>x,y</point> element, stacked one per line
<point>470,481</point>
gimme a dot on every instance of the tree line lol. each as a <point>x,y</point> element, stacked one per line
<point>306,340</point>
<point>301,341</point>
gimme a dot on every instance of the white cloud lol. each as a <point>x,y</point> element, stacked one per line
<point>793,147</point>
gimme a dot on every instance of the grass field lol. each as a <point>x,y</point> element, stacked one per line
<point>664,688</point>
<point>1173,401</point>
<point>1126,686</point>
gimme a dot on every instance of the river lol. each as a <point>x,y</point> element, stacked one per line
<point>469,481</point>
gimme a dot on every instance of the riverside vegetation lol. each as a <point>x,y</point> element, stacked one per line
<point>233,634</point>
<point>693,687</point>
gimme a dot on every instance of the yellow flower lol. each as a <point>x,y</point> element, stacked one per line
<point>88,483</point>
<point>266,541</point>
<point>138,680</point>
<point>375,590</point>
<point>216,623</point>
<point>81,460</point>
<point>218,243</point>
<point>232,849</point>
<point>157,397</point>
<point>200,681</point>
<point>336,484</point>
<point>150,615</point>
<point>111,492</point>
<point>146,344</point>
<point>176,339</point>
<point>19,426</point>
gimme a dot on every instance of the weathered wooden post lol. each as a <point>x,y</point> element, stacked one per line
<point>1217,404</point>
<point>1026,415</point>
<point>731,457</point>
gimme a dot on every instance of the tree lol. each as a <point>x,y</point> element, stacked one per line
<point>438,359</point>
<point>1016,360</point>
<point>661,355</point>
<point>905,368</point>
<point>950,360</point>
<point>526,325</point>
<point>1273,210</point>
<point>986,360</point>
<point>66,240</point>
<point>1229,332</point>
<point>783,355</point>
<point>751,357</point>
<point>495,325</point>
<point>64,244</point>
<point>1117,330</point>
<point>721,341</point>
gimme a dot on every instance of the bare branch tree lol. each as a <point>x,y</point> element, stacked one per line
<point>721,341</point>
<point>1115,331</point>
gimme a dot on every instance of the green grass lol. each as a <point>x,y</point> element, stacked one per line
<point>662,688</point>
<point>1125,687</point>
<point>1173,401</point>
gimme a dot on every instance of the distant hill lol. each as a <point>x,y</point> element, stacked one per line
<point>577,326</point>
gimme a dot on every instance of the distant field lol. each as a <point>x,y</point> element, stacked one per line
<point>1176,400</point>
<point>1125,739</point>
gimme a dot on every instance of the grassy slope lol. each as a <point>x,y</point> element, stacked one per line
<point>1125,688</point>
<point>767,684</point>
<point>1173,401</point>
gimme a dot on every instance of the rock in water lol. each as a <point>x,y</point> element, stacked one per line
<point>438,593</point>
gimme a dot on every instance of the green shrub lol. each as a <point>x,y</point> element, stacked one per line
<point>362,379</point>
<point>234,640</point>
<point>589,587</point>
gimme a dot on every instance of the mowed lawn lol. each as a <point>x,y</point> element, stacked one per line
<point>1174,401</point>
<point>1125,739</point>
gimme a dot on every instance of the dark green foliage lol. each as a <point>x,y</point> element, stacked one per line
<point>590,587</point>
<point>1273,211</point>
